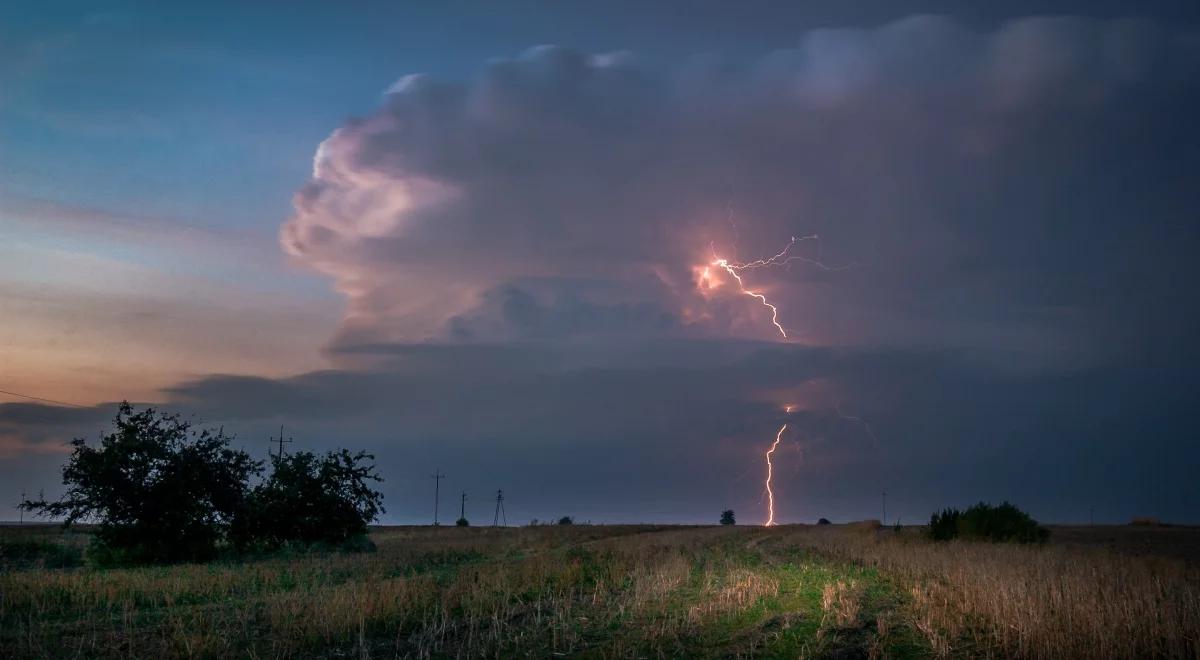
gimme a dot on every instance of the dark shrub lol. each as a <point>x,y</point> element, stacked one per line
<point>462,522</point>
<point>727,517</point>
<point>984,522</point>
<point>824,521</point>
<point>159,491</point>
<point>309,498</point>
<point>944,526</point>
<point>566,520</point>
<point>38,553</point>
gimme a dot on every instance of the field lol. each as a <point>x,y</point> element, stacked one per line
<point>620,591</point>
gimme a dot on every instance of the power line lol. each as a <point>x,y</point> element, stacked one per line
<point>43,400</point>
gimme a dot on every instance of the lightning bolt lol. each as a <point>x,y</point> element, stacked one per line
<point>770,493</point>
<point>783,258</point>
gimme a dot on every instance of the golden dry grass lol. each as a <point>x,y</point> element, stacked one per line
<point>620,592</point>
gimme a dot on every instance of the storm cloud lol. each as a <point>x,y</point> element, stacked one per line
<point>520,257</point>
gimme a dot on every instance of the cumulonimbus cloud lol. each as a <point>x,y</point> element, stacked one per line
<point>558,168</point>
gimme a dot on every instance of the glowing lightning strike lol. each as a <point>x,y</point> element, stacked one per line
<point>770,471</point>
<point>783,258</point>
<point>730,268</point>
<point>771,494</point>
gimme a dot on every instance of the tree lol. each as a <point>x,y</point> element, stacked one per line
<point>566,520</point>
<point>727,517</point>
<point>985,522</point>
<point>462,522</point>
<point>311,498</point>
<point>824,521</point>
<point>159,490</point>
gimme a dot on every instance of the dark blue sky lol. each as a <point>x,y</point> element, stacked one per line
<point>475,236</point>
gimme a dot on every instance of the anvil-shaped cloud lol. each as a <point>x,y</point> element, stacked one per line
<point>519,254</point>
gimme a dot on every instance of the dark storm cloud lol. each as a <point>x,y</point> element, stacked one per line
<point>519,256</point>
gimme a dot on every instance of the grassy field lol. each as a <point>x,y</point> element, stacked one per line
<point>614,591</point>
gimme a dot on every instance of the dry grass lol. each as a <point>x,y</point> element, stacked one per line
<point>1033,601</point>
<point>620,592</point>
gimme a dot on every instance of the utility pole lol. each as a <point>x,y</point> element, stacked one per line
<point>462,512</point>
<point>21,507</point>
<point>437,477</point>
<point>280,440</point>
<point>885,507</point>
<point>499,509</point>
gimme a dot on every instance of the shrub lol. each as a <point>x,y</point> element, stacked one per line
<point>31,553</point>
<point>944,526</point>
<point>566,520</point>
<point>727,517</point>
<point>824,521</point>
<point>310,499</point>
<point>159,490</point>
<point>462,522</point>
<point>984,522</point>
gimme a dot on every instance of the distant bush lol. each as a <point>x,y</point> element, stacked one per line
<point>984,522</point>
<point>944,526</point>
<point>727,517</point>
<point>163,492</point>
<point>824,521</point>
<point>310,498</point>
<point>38,553</point>
<point>1145,521</point>
<point>566,520</point>
<point>159,491</point>
<point>462,522</point>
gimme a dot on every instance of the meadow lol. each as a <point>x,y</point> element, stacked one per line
<point>839,591</point>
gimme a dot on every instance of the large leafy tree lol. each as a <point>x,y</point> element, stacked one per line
<point>311,498</point>
<point>159,490</point>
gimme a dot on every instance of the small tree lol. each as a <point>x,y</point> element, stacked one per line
<point>944,526</point>
<point>566,520</point>
<point>984,522</point>
<point>311,498</point>
<point>462,522</point>
<point>158,490</point>
<point>727,517</point>
<point>824,521</point>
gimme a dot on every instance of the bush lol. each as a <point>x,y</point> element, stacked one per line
<point>462,522</point>
<point>310,498</point>
<point>984,522</point>
<point>566,520</point>
<point>727,517</point>
<point>37,553</point>
<point>824,521</point>
<point>159,490</point>
<point>944,526</point>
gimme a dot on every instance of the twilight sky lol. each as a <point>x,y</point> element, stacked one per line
<point>481,238</point>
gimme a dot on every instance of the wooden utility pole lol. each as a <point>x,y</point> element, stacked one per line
<point>21,507</point>
<point>437,477</point>
<point>280,440</point>
<point>499,509</point>
<point>462,512</point>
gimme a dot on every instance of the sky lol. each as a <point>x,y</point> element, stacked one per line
<point>598,254</point>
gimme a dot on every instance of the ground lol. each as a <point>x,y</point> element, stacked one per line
<point>615,591</point>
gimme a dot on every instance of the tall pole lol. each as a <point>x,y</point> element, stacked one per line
<point>280,440</point>
<point>885,507</point>
<point>499,509</point>
<point>437,483</point>
<point>21,507</point>
<point>462,512</point>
